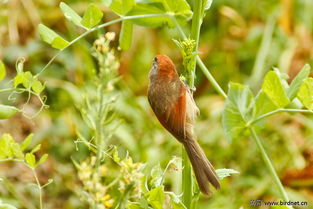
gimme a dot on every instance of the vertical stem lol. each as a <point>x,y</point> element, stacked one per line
<point>187,183</point>
<point>39,187</point>
<point>269,165</point>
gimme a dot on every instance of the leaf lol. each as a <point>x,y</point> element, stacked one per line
<point>37,87</point>
<point>155,197</point>
<point>273,88</point>
<point>156,176</point>
<point>208,4</point>
<point>151,8</point>
<point>263,104</point>
<point>305,93</point>
<point>107,2</point>
<point>92,16</point>
<point>5,146</point>
<point>176,202</point>
<point>35,149</point>
<point>297,81</point>
<point>126,35</point>
<point>71,15</point>
<point>122,7</point>
<point>26,142</point>
<point>51,37</point>
<point>59,43</point>
<point>27,79</point>
<point>7,111</point>
<point>16,150</point>
<point>237,110</point>
<point>115,156</point>
<point>178,7</point>
<point>2,71</point>
<point>30,160</point>
<point>225,172</point>
<point>6,206</point>
<point>133,205</point>
<point>42,159</point>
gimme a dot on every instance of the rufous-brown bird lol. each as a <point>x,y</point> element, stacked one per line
<point>173,104</point>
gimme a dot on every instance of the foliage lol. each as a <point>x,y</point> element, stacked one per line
<point>96,100</point>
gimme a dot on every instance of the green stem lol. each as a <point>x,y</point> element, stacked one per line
<point>97,28</point>
<point>39,187</point>
<point>269,165</point>
<point>187,183</point>
<point>278,111</point>
<point>202,66</point>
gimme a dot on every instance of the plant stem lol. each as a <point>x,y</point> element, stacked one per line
<point>187,183</point>
<point>269,165</point>
<point>39,187</point>
<point>278,111</point>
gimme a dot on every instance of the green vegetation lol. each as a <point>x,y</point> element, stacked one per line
<point>84,102</point>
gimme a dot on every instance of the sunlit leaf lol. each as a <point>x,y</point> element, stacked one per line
<point>92,16</point>
<point>155,197</point>
<point>237,110</point>
<point>59,43</point>
<point>42,159</point>
<point>70,14</point>
<point>51,37</point>
<point>5,146</point>
<point>273,88</point>
<point>37,86</point>
<point>26,142</point>
<point>2,71</point>
<point>121,7</point>
<point>263,104</point>
<point>7,111</point>
<point>297,81</point>
<point>151,8</point>
<point>35,149</point>
<point>27,79</point>
<point>126,35</point>
<point>30,159</point>
<point>305,93</point>
<point>225,172</point>
<point>133,205</point>
<point>176,202</point>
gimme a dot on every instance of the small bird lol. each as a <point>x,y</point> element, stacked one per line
<point>173,104</point>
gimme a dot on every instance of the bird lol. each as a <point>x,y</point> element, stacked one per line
<point>172,102</point>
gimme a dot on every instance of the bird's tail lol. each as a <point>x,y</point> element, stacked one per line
<point>202,168</point>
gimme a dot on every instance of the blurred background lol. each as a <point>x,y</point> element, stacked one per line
<point>240,41</point>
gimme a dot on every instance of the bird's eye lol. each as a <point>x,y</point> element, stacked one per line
<point>155,59</point>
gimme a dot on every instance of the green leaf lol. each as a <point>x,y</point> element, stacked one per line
<point>263,104</point>
<point>155,197</point>
<point>26,142</point>
<point>151,8</point>
<point>178,7</point>
<point>6,206</point>
<point>71,15</point>
<point>42,159</point>
<point>225,172</point>
<point>237,110</point>
<point>5,146</point>
<point>2,71</point>
<point>37,87</point>
<point>35,149</point>
<point>305,93</point>
<point>18,79</point>
<point>27,79</point>
<point>156,176</point>
<point>59,43</point>
<point>121,7</point>
<point>273,88</point>
<point>115,156</point>
<point>126,35</point>
<point>133,205</point>
<point>92,16</point>
<point>17,151</point>
<point>52,37</point>
<point>7,111</point>
<point>176,202</point>
<point>30,160</point>
<point>297,81</point>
